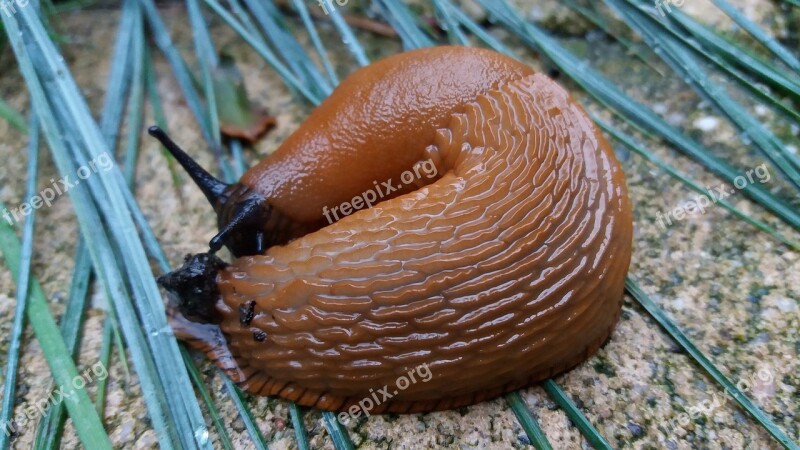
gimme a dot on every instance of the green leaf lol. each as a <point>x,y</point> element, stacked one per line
<point>299,426</point>
<point>245,414</point>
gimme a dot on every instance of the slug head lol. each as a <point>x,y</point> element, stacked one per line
<point>193,287</point>
<point>242,214</point>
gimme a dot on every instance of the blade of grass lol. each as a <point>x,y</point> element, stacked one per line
<point>348,37</point>
<point>48,434</point>
<point>449,23</point>
<point>684,64</point>
<point>479,31</point>
<point>673,330</point>
<point>604,91</point>
<point>152,352</point>
<point>263,51</point>
<point>402,20</point>
<point>610,30</point>
<point>238,158</point>
<point>287,46</point>
<point>120,78</point>
<point>158,115</point>
<point>244,413</point>
<point>528,421</point>
<point>761,36</point>
<point>11,116</point>
<point>723,65</point>
<point>734,54</point>
<point>655,160</point>
<point>302,10</point>
<point>299,426</point>
<point>105,360</point>
<point>224,438</point>
<point>246,23</point>
<point>568,406</point>
<point>84,418</point>
<point>208,61</point>
<point>179,69</point>
<point>341,440</point>
<point>18,324</point>
<point>135,114</point>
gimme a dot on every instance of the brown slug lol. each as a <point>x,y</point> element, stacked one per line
<point>505,268</point>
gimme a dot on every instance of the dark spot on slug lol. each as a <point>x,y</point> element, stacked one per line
<point>246,312</point>
<point>259,336</point>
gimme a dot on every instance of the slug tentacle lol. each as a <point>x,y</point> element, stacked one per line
<point>212,188</point>
<point>243,214</point>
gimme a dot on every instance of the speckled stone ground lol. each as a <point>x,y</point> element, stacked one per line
<point>733,290</point>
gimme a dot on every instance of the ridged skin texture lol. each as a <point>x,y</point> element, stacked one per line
<point>506,270</point>
<point>376,124</point>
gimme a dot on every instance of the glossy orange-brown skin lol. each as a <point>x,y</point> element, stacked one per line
<point>376,124</point>
<point>506,270</point>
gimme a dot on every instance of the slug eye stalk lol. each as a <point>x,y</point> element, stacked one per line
<point>213,188</point>
<point>241,212</point>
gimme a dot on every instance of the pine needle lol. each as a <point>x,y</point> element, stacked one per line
<point>528,421</point>
<point>23,284</point>
<point>87,424</point>
<point>579,420</point>
<point>11,116</point>
<point>700,358</point>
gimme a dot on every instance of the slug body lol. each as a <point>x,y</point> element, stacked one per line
<point>505,268</point>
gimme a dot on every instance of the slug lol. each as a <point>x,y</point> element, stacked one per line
<point>504,268</point>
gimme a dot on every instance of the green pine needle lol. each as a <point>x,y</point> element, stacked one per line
<point>11,116</point>
<point>341,440</point>
<point>578,419</point>
<point>698,356</point>
<point>87,424</point>
<point>23,284</point>
<point>528,421</point>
